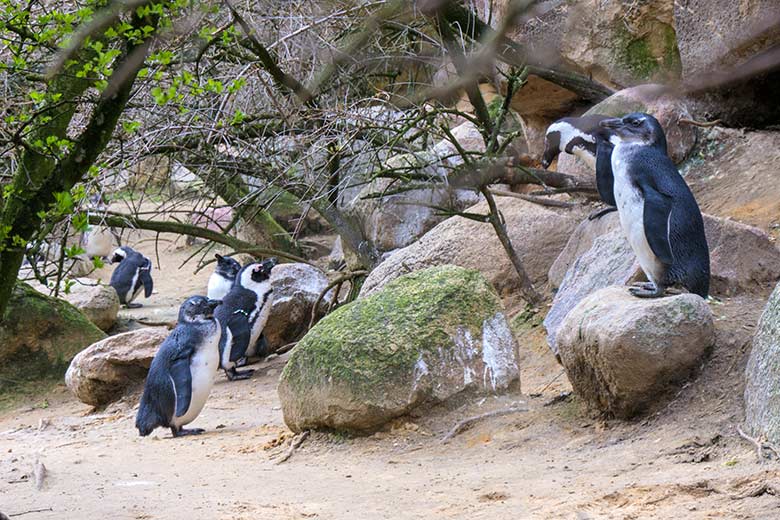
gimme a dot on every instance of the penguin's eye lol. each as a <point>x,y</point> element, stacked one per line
<point>636,122</point>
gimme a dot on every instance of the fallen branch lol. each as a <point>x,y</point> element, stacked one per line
<point>294,445</point>
<point>462,425</point>
<point>703,124</point>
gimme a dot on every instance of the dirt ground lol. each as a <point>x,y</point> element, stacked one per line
<point>556,461</point>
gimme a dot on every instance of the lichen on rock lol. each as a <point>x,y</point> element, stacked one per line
<point>425,337</point>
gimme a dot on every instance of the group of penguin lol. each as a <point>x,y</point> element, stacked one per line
<point>220,330</point>
<point>636,177</point>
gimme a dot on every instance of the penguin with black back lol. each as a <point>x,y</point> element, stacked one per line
<point>242,315</point>
<point>183,371</point>
<point>223,277</point>
<point>583,137</point>
<point>133,273</point>
<point>658,213</point>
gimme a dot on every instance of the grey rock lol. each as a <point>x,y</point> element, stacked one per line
<point>621,352</point>
<point>762,374</point>
<point>103,372</point>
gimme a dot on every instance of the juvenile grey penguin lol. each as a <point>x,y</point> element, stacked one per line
<point>182,372</point>
<point>223,277</point>
<point>658,212</point>
<point>133,273</point>
<point>583,137</point>
<point>243,315</point>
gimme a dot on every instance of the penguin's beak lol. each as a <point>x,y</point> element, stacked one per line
<point>213,304</point>
<point>612,123</point>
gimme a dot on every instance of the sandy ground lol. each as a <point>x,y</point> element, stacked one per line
<point>682,460</point>
<point>554,461</point>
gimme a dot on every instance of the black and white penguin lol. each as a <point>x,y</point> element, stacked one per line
<point>223,277</point>
<point>133,273</point>
<point>583,137</point>
<point>657,210</point>
<point>183,371</point>
<point>242,315</point>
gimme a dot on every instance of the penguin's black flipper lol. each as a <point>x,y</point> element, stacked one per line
<point>145,274</point>
<point>657,208</point>
<point>241,332</point>
<point>605,179</point>
<point>182,383</point>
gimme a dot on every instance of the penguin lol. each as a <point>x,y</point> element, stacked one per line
<point>223,277</point>
<point>133,272</point>
<point>182,371</point>
<point>242,315</point>
<point>583,137</point>
<point>658,213</point>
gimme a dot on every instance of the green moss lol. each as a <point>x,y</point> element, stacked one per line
<point>651,56</point>
<point>374,342</point>
<point>39,336</point>
<point>530,318</point>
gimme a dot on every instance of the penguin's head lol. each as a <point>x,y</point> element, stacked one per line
<point>552,147</point>
<point>227,266</point>
<point>637,127</point>
<point>256,272</point>
<point>119,254</point>
<point>197,309</point>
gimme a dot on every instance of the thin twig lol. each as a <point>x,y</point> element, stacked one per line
<point>294,445</point>
<point>530,198</point>
<point>703,124</point>
<point>340,280</point>
<point>754,442</point>
<point>462,425</point>
<point>31,511</point>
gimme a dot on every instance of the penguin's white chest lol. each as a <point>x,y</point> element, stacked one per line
<point>631,209</point>
<point>218,287</point>
<point>261,312</point>
<point>203,369</point>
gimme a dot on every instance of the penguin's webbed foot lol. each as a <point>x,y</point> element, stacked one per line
<point>647,290</point>
<point>235,375</point>
<point>601,212</point>
<point>181,432</point>
<point>133,305</point>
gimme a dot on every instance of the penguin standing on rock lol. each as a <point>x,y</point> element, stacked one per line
<point>182,372</point>
<point>242,315</point>
<point>657,210</point>
<point>133,273</point>
<point>223,277</point>
<point>583,137</point>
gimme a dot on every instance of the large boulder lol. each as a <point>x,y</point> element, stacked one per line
<point>425,338</point>
<point>98,302</point>
<point>39,335</point>
<point>651,99</point>
<point>538,235</point>
<point>620,352</point>
<point>103,372</point>
<point>393,220</point>
<point>296,289</point>
<point>762,374</point>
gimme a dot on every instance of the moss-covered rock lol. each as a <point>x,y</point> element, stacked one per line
<point>40,335</point>
<point>424,338</point>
